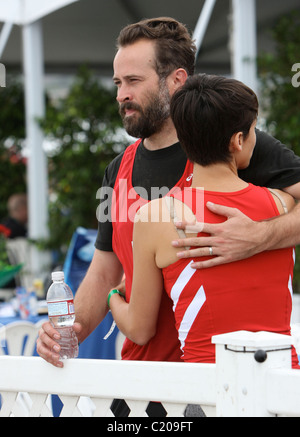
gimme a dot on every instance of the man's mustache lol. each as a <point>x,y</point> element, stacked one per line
<point>129,105</point>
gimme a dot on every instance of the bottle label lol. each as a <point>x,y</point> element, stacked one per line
<point>61,308</point>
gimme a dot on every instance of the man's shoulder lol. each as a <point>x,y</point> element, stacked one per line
<point>116,161</point>
<point>266,141</point>
<point>113,167</point>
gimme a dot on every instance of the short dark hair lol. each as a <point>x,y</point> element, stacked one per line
<point>207,111</point>
<point>174,45</point>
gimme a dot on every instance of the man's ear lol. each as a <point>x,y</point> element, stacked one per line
<point>177,79</point>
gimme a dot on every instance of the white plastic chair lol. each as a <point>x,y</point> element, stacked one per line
<point>19,337</point>
<point>19,252</point>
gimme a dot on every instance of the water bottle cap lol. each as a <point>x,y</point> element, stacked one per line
<point>58,276</point>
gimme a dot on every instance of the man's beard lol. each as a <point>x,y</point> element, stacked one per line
<point>151,119</point>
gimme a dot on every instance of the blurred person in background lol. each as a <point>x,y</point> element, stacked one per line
<point>17,218</point>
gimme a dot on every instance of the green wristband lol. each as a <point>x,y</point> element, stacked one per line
<point>111,294</point>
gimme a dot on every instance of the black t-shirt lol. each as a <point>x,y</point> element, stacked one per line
<point>272,165</point>
<point>16,228</point>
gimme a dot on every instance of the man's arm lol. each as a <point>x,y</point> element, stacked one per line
<point>294,191</point>
<point>105,272</point>
<point>240,237</point>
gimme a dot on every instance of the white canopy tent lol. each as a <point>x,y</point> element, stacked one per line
<point>86,18</point>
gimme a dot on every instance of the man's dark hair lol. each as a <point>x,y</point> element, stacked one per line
<point>174,46</point>
<point>207,111</point>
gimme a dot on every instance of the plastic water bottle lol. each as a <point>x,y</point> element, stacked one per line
<point>62,315</point>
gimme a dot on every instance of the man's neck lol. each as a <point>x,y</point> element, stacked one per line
<point>165,138</point>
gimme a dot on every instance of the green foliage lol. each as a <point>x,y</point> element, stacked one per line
<point>4,233</point>
<point>12,134</point>
<point>281,100</point>
<point>83,127</point>
<point>12,112</point>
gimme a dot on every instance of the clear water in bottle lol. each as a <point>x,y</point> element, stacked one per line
<point>62,315</point>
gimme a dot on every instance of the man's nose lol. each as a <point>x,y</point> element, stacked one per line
<point>123,95</point>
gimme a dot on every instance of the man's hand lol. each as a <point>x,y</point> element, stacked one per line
<point>47,346</point>
<point>237,238</point>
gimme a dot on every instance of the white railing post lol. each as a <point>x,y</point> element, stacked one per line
<point>242,359</point>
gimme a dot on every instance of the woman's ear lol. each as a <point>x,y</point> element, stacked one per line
<point>236,142</point>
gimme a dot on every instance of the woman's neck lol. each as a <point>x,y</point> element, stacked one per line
<point>222,177</point>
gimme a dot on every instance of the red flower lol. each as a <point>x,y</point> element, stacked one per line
<point>14,159</point>
<point>5,231</point>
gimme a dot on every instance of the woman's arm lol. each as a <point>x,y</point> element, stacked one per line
<point>137,319</point>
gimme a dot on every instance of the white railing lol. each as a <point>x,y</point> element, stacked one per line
<point>296,309</point>
<point>252,377</point>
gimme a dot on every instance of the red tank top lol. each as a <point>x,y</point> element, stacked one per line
<point>253,294</point>
<point>126,202</point>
